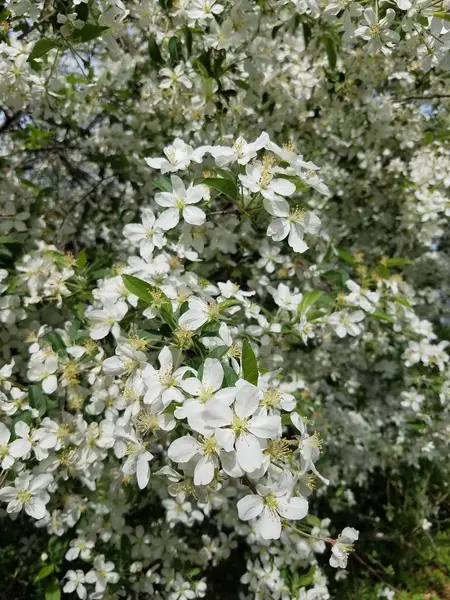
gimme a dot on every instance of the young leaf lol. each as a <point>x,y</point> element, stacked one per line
<point>224,186</point>
<point>379,314</point>
<point>149,294</point>
<point>309,299</point>
<point>53,591</point>
<point>249,363</point>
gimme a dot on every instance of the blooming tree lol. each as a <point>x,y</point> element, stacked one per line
<point>224,286</point>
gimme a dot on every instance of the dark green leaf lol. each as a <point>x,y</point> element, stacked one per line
<point>188,39</point>
<point>88,32</point>
<point>330,49</point>
<point>218,352</point>
<point>41,48</point>
<point>154,52</point>
<point>249,363</point>
<point>224,186</point>
<point>175,50</point>
<point>56,342</point>
<point>229,376</point>
<point>37,399</point>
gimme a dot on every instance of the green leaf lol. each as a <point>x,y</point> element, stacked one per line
<point>330,48</point>
<point>53,591</point>
<point>403,301</point>
<point>175,50</point>
<point>218,352</point>
<point>224,186</point>
<point>44,572</point>
<point>300,185</point>
<point>154,52</point>
<point>442,15</point>
<point>397,262</point>
<point>228,303</point>
<point>41,48</point>
<point>38,399</point>
<point>8,239</point>
<point>308,300</point>
<point>149,294</point>
<point>82,259</point>
<point>346,257</point>
<point>249,363</point>
<point>24,416</point>
<point>188,39</point>
<point>88,32</point>
<point>229,376</point>
<point>379,314</point>
<point>56,343</point>
<point>164,184</point>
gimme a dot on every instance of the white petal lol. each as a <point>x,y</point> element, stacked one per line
<point>142,472</point>
<point>278,229</point>
<point>35,508</point>
<point>269,525</point>
<point>295,239</point>
<point>212,373</point>
<point>249,453</point>
<point>250,507</point>
<point>217,414</point>
<point>296,508</point>
<point>284,187</point>
<point>246,401</point>
<point>98,332</point>
<point>19,448</point>
<point>265,427</point>
<point>168,219</point>
<point>192,319</point>
<point>204,471</point>
<point>183,449</point>
<point>194,215</point>
<point>225,438</point>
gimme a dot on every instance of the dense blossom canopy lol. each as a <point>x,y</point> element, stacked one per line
<point>224,288</point>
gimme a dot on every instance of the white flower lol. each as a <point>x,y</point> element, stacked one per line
<point>102,574</point>
<point>178,156</point>
<point>273,502</point>
<point>199,313</point>
<point>184,449</point>
<point>163,384</point>
<point>80,547</point>
<point>146,235</point>
<point>203,9</point>
<point>203,391</point>
<point>377,32</point>
<point>285,299</point>
<point>342,546</point>
<point>240,152</point>
<point>75,583</point>
<point>346,323</point>
<point>128,445</point>
<point>259,179</point>
<point>293,224</point>
<point>43,371</point>
<point>243,428</point>
<point>106,320</point>
<point>174,76</point>
<point>29,493</point>
<point>180,200</point>
<point>16,449</point>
